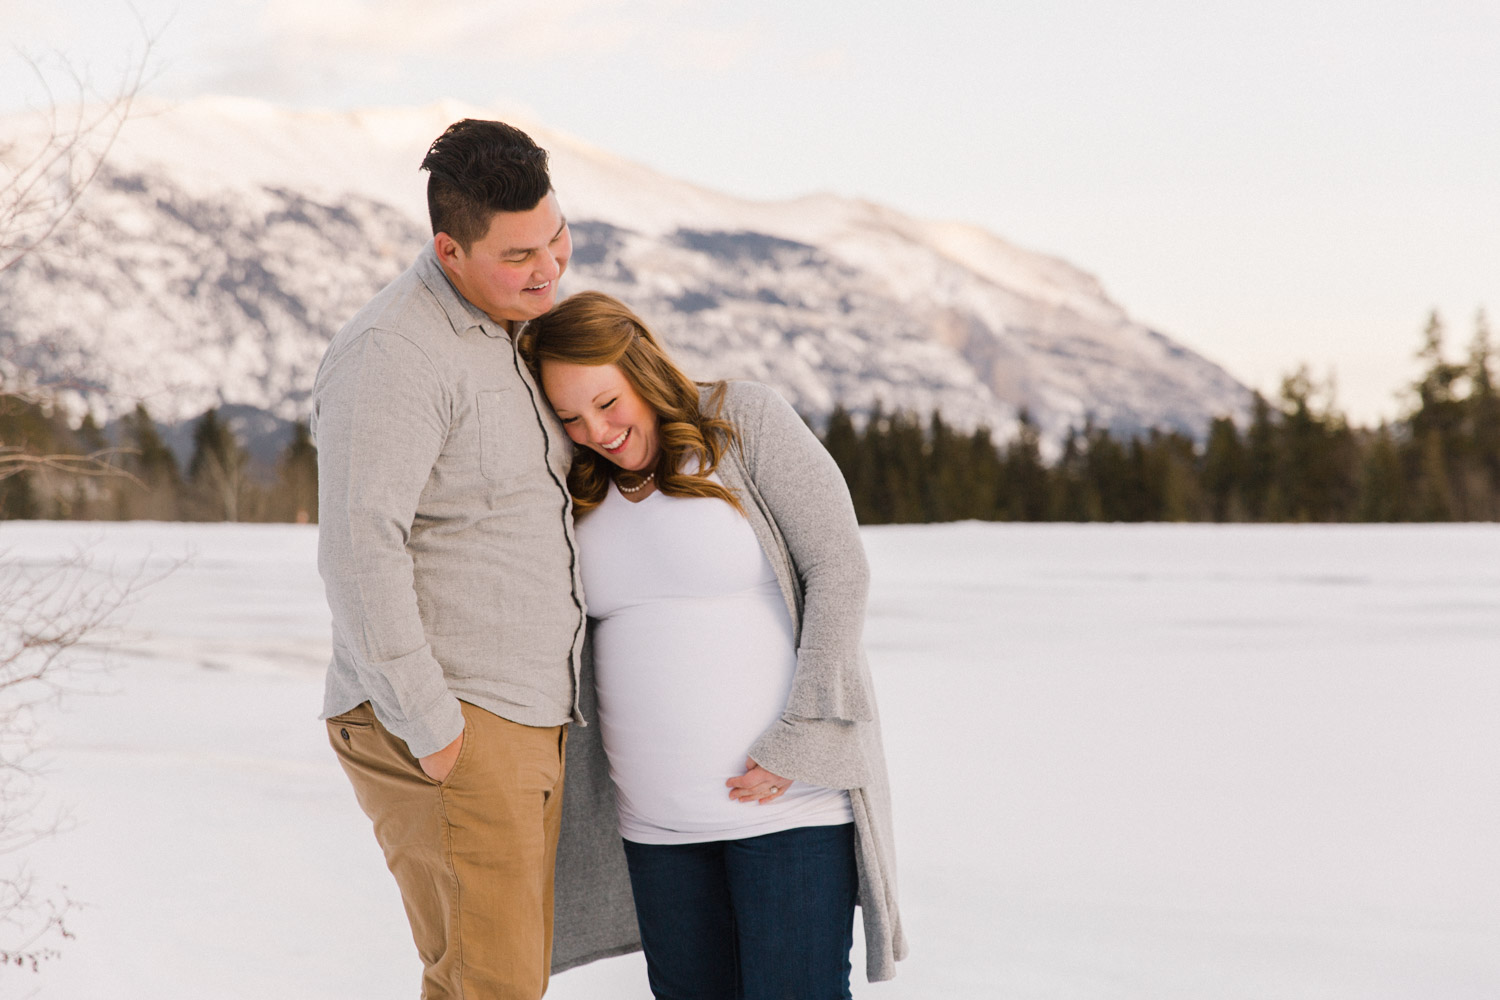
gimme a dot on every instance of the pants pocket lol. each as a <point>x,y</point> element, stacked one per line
<point>465,750</point>
<point>344,728</point>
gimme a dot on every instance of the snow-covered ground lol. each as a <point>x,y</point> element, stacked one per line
<point>1129,762</point>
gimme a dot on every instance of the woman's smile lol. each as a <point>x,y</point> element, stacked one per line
<point>601,410</point>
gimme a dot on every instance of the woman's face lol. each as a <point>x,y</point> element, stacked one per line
<point>601,410</point>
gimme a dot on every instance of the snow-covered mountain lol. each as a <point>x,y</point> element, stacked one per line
<point>225,241</point>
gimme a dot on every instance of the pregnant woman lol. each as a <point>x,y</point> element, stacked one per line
<point>726,586</point>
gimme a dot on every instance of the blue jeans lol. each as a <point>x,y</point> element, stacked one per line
<point>764,918</point>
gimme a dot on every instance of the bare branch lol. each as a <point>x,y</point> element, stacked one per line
<point>15,460</point>
<point>34,919</point>
<point>40,192</point>
<point>54,614</point>
<point>56,622</point>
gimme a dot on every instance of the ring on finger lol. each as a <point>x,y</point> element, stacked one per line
<point>774,790</point>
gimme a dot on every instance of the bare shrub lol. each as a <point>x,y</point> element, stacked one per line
<point>57,621</point>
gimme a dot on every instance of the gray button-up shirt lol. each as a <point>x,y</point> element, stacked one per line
<point>445,539</point>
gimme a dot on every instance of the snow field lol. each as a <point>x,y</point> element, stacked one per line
<point>1128,762</point>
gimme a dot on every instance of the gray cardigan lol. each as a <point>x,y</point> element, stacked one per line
<point>798,505</point>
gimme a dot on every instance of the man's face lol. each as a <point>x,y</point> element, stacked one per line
<point>512,272</point>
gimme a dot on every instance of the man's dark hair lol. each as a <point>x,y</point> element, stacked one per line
<point>477,168</point>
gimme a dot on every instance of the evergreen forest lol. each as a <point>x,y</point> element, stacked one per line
<point>1296,459</point>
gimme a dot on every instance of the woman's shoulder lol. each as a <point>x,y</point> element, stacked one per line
<point>739,399</point>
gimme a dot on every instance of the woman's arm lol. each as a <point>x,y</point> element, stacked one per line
<point>803,493</point>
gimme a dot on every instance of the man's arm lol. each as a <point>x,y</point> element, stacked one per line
<point>382,417</point>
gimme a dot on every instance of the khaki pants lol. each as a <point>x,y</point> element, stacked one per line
<point>473,856</point>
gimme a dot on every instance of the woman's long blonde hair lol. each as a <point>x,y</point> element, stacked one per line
<point>592,328</point>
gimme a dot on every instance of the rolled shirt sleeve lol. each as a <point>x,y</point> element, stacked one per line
<point>381,419</point>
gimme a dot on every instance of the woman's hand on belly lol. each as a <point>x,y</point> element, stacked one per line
<point>756,784</point>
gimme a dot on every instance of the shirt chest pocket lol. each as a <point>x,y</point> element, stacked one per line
<point>511,442</point>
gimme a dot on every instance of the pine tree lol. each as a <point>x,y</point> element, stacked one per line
<point>1224,471</point>
<point>1025,477</point>
<point>1298,454</point>
<point>1139,498</point>
<point>18,500</point>
<point>157,493</point>
<point>1382,484</point>
<point>1436,445</point>
<point>90,437</point>
<point>1482,415</point>
<point>903,468</point>
<point>1318,465</point>
<point>219,471</point>
<point>1262,498</point>
<point>869,468</point>
<point>985,471</point>
<point>1106,474</point>
<point>1434,500</point>
<point>842,442</point>
<point>88,497</point>
<point>943,485</point>
<point>850,452</point>
<point>1069,499</point>
<point>1173,462</point>
<point>295,496</point>
<point>27,430</point>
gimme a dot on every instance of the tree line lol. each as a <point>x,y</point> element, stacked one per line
<point>138,477</point>
<point>1297,459</point>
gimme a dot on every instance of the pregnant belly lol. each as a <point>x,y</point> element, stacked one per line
<point>680,706</point>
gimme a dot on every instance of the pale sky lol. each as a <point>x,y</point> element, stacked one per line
<point>1271,182</point>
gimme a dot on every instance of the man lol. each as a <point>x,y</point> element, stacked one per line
<point>446,548</point>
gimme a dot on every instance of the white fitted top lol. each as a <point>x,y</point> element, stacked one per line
<point>693,661</point>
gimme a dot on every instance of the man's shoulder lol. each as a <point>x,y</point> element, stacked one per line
<point>406,307</point>
<point>403,332</point>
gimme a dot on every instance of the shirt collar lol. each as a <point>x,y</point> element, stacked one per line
<point>462,314</point>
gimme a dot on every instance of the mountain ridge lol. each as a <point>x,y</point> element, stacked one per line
<point>226,240</point>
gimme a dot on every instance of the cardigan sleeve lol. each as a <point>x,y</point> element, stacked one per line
<point>805,496</point>
<point>800,491</point>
